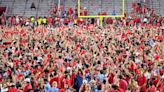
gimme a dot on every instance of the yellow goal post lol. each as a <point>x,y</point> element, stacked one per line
<point>102,16</point>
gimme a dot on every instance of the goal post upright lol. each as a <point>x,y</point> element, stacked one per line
<point>102,16</point>
<point>101,21</point>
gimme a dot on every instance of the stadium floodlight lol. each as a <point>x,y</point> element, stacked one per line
<point>102,16</point>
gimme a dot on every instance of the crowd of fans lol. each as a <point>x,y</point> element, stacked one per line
<point>69,54</point>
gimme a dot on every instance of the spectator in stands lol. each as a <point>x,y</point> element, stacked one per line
<point>12,88</point>
<point>47,86</point>
<point>27,86</point>
<point>78,81</point>
<point>44,21</point>
<point>54,88</point>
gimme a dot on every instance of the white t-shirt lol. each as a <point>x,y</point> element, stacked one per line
<point>147,75</point>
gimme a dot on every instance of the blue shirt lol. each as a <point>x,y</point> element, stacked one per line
<point>27,72</point>
<point>151,42</point>
<point>113,12</point>
<point>54,90</point>
<point>101,77</point>
<point>47,87</point>
<point>78,81</point>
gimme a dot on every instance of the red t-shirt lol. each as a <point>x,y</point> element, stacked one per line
<point>109,21</point>
<point>133,5</point>
<point>12,90</point>
<point>72,77</point>
<point>0,78</point>
<point>141,10</point>
<point>120,90</point>
<point>131,67</point>
<point>141,80</point>
<point>85,12</point>
<point>49,39</point>
<point>123,84</point>
<point>14,21</point>
<point>62,90</point>
<point>111,78</point>
<point>151,89</point>
<point>161,88</point>
<point>10,19</point>
<point>66,20</point>
<point>23,41</point>
<point>49,20</point>
<point>143,88</point>
<point>156,57</point>
<point>57,79</point>
<point>68,82</point>
<point>27,87</point>
<point>70,11</point>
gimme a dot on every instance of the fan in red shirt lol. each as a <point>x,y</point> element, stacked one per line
<point>85,12</point>
<point>10,20</point>
<point>133,5</point>
<point>152,88</point>
<point>67,81</point>
<point>14,21</point>
<point>57,79</point>
<point>122,83</point>
<point>27,86</point>
<point>111,78</point>
<point>141,79</point>
<point>161,87</point>
<point>2,19</point>
<point>66,21</point>
<point>49,20</point>
<point>115,88</point>
<point>70,11</point>
<point>109,21</point>
<point>12,88</point>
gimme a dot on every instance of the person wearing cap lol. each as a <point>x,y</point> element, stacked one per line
<point>27,86</point>
<point>12,88</point>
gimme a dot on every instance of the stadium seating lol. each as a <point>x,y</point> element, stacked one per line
<point>22,7</point>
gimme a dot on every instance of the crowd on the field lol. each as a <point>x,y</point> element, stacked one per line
<point>69,54</point>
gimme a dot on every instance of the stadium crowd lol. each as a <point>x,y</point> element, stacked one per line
<point>72,55</point>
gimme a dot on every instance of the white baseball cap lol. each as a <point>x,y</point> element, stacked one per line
<point>27,79</point>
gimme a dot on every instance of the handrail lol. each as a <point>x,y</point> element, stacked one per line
<point>37,9</point>
<point>159,7</point>
<point>25,7</point>
<point>7,8</point>
<point>12,7</point>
